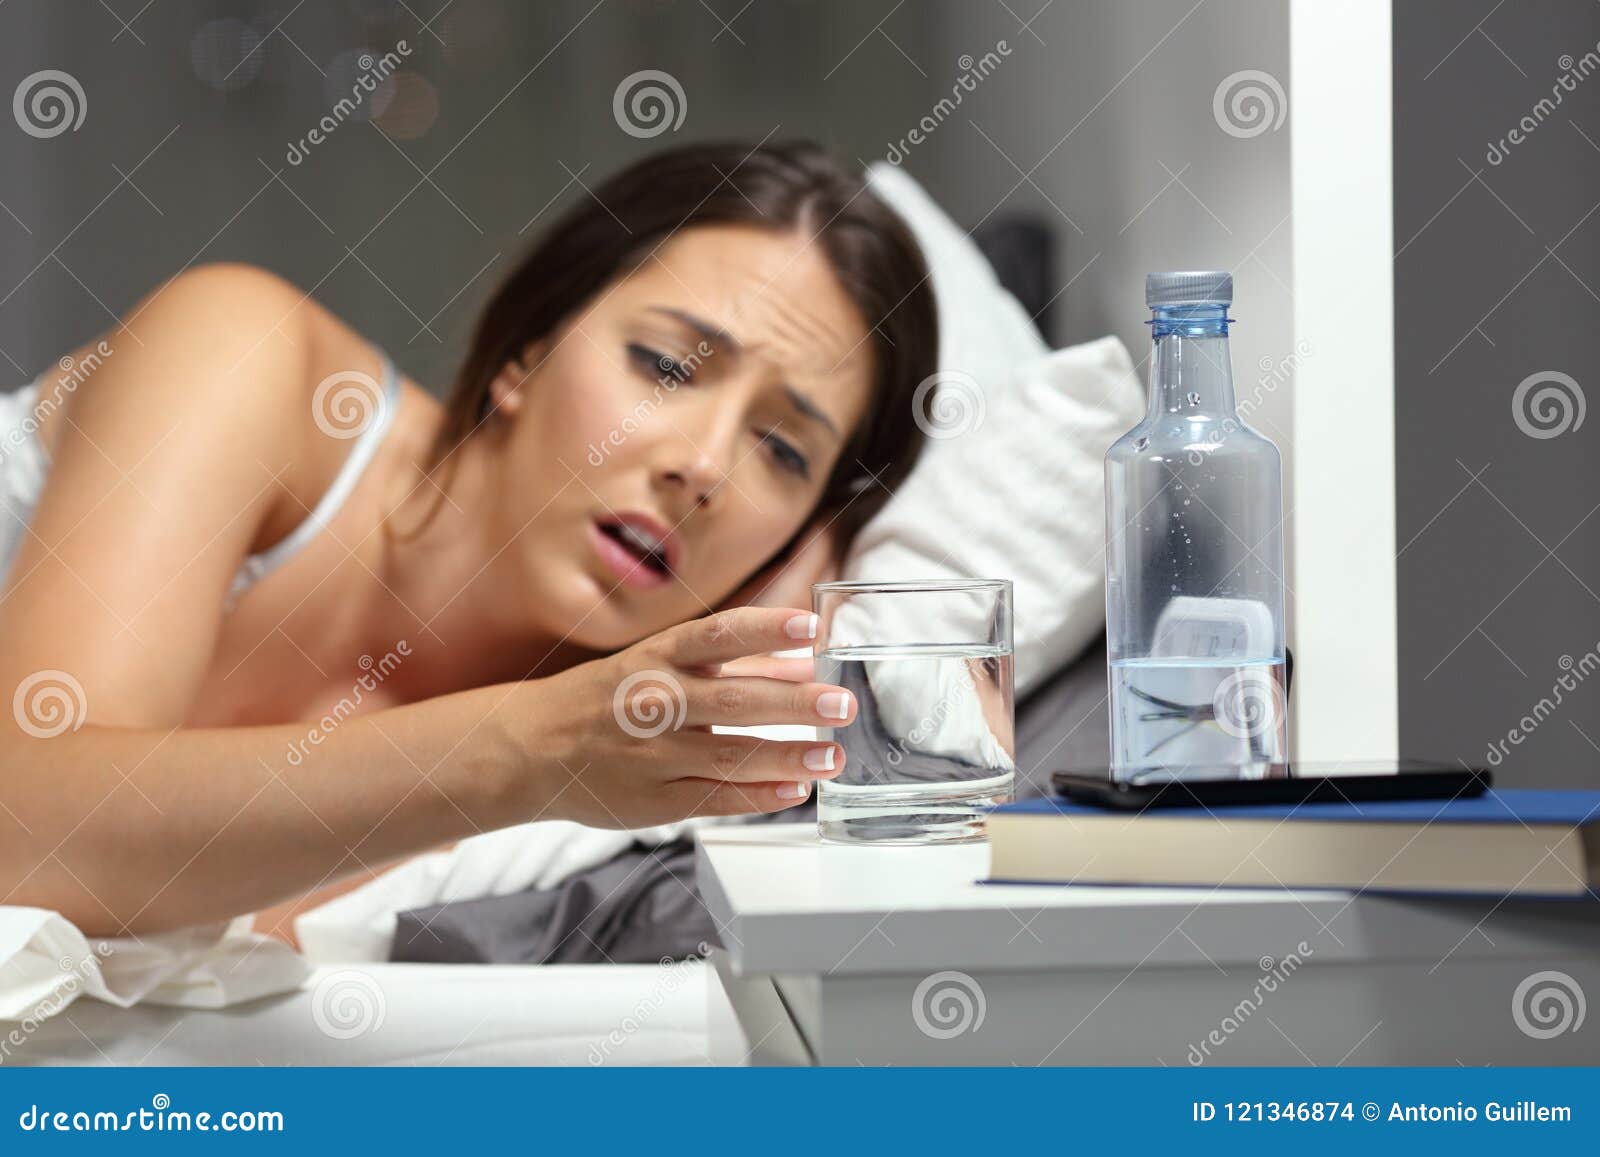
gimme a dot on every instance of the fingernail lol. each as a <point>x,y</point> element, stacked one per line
<point>793,791</point>
<point>834,705</point>
<point>801,627</point>
<point>819,758</point>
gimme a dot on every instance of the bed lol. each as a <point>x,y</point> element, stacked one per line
<point>418,1014</point>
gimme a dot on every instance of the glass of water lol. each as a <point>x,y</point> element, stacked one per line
<point>932,745</point>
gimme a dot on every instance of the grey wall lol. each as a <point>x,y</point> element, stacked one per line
<point>1496,281</point>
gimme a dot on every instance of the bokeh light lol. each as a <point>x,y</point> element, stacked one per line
<point>226,54</point>
<point>346,69</point>
<point>412,108</point>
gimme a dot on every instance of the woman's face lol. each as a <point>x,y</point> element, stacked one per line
<point>673,435</point>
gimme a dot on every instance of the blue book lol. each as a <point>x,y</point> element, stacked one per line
<point>1509,842</point>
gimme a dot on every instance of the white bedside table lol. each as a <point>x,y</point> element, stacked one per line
<point>834,956</point>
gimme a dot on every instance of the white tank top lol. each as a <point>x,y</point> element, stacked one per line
<point>25,465</point>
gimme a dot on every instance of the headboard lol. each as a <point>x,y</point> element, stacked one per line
<point>1022,250</point>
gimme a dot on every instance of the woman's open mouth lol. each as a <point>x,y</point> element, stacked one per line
<point>638,550</point>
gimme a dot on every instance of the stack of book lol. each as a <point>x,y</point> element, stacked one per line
<point>1505,843</point>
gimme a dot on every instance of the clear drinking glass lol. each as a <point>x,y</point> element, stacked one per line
<point>932,745</point>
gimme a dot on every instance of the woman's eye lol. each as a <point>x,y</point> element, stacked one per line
<point>657,365</point>
<point>787,456</point>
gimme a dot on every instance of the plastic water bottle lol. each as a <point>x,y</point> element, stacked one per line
<point>1194,559</point>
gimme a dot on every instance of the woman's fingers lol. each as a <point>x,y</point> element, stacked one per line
<point>703,797</point>
<point>746,759</point>
<point>732,634</point>
<point>731,701</point>
<point>791,670</point>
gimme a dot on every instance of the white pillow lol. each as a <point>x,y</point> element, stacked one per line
<point>1010,481</point>
<point>983,330</point>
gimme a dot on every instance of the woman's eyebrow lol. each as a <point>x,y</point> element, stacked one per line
<point>808,408</point>
<point>704,330</point>
<point>716,335</point>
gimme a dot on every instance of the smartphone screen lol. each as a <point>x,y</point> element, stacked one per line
<point>1270,783</point>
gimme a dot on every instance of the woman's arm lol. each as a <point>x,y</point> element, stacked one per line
<point>132,829</point>
<point>139,829</point>
<point>168,463</point>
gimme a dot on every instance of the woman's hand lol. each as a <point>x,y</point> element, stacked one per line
<point>626,741</point>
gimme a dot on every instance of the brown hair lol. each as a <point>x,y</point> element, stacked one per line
<point>778,186</point>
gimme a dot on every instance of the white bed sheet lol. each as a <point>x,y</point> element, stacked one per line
<point>410,1014</point>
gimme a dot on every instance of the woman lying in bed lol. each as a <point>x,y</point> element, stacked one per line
<point>274,617</point>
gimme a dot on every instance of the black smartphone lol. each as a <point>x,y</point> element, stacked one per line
<point>1269,783</point>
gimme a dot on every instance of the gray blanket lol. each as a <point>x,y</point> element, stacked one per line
<point>639,907</point>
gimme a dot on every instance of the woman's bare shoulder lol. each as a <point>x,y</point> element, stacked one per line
<point>256,298</point>
<point>229,348</point>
